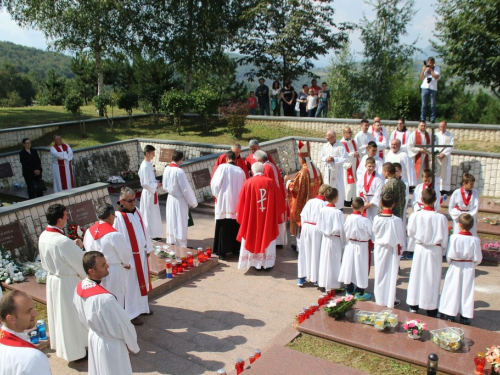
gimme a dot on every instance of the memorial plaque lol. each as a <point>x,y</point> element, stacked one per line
<point>6,170</point>
<point>166,154</point>
<point>11,236</point>
<point>274,154</point>
<point>201,178</point>
<point>205,153</point>
<point>82,213</point>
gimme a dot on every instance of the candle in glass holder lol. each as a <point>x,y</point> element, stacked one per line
<point>174,270</point>
<point>190,259</point>
<point>307,312</point>
<point>257,354</point>
<point>168,268</point>
<point>326,298</point>
<point>313,308</point>
<point>321,301</point>
<point>201,257</point>
<point>252,358</point>
<point>480,362</point>
<point>184,263</point>
<point>240,365</point>
<point>180,269</point>
<point>209,251</point>
<point>302,316</point>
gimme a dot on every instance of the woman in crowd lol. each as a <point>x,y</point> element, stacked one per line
<point>276,98</point>
<point>288,96</point>
<point>32,168</point>
<point>302,99</point>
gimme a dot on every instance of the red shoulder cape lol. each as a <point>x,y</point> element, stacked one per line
<point>8,339</point>
<point>99,230</point>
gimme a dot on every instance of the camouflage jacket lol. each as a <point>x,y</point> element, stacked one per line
<point>398,190</point>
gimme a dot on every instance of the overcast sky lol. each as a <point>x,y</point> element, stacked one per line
<point>346,11</point>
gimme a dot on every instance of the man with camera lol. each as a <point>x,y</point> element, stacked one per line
<point>429,76</point>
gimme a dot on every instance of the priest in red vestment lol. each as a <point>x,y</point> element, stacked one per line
<point>258,213</point>
<point>17,354</point>
<point>250,159</point>
<point>240,162</point>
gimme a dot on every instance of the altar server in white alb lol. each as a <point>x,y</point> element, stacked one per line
<point>380,139</point>
<point>350,166</point>
<point>62,168</point>
<point>180,198</point>
<point>226,185</point>
<point>463,255</point>
<point>397,155</point>
<point>464,201</point>
<point>372,153</point>
<point>150,205</point>
<point>363,137</point>
<point>18,356</point>
<point>443,160</point>
<point>111,335</point>
<point>333,156</point>
<point>103,237</point>
<point>369,187</point>
<point>62,259</point>
<point>429,231</point>
<point>331,227</point>
<point>402,134</point>
<point>416,199</point>
<point>420,155</point>
<point>389,245</point>
<point>310,239</point>
<point>355,261</point>
<point>129,222</point>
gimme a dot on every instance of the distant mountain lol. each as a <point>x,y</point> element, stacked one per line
<point>35,61</point>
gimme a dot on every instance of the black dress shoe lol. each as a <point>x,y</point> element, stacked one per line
<point>149,313</point>
<point>294,247</point>
<point>279,246</point>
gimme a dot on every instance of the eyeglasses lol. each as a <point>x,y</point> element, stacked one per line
<point>128,200</point>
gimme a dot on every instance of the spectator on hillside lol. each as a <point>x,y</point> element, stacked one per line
<point>252,103</point>
<point>324,104</point>
<point>430,75</point>
<point>312,103</point>
<point>288,95</point>
<point>302,99</point>
<point>315,87</point>
<point>262,94</point>
<point>276,98</point>
<point>32,168</point>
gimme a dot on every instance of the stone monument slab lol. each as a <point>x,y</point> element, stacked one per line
<point>82,213</point>
<point>11,236</point>
<point>166,155</point>
<point>201,178</point>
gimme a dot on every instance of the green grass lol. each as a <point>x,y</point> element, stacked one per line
<point>193,131</point>
<point>483,146</point>
<point>36,115</point>
<point>349,356</point>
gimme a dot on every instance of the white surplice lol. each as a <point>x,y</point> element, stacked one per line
<point>118,253</point>
<point>413,150</point>
<point>265,260</point>
<point>443,166</point>
<point>110,333</point>
<point>351,162</point>
<point>310,240</point>
<point>135,304</point>
<point>180,197</point>
<point>67,156</point>
<point>333,172</point>
<point>458,207</point>
<point>373,193</point>
<point>62,260</point>
<point>354,268</point>
<point>407,168</point>
<point>20,360</point>
<point>362,140</point>
<point>150,211</point>
<point>379,167</point>
<point>381,141</point>
<point>388,232</point>
<point>416,199</point>
<point>429,231</point>
<point>226,185</point>
<point>403,137</point>
<point>331,226</point>
<point>458,289</point>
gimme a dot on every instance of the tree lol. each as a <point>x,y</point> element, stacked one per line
<point>206,102</point>
<point>101,103</point>
<point>85,72</point>
<point>386,60</point>
<point>16,88</point>
<point>176,102</point>
<point>281,39</point>
<point>73,104</point>
<point>469,32</point>
<point>128,101</point>
<point>97,26</point>
<point>53,89</point>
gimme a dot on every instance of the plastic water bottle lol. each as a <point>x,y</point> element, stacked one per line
<point>34,337</point>
<point>41,328</point>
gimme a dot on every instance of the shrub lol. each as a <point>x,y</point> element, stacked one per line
<point>101,103</point>
<point>235,115</point>
<point>205,102</point>
<point>176,103</point>
<point>128,101</point>
<point>73,103</point>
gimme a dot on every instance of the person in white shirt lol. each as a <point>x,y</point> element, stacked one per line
<point>384,130</point>
<point>464,200</point>
<point>380,139</point>
<point>150,204</point>
<point>430,75</point>
<point>350,166</point>
<point>402,134</point>
<point>369,187</point>
<point>396,155</point>
<point>443,160</point>
<point>312,103</point>
<point>363,137</point>
<point>333,156</point>
<point>372,153</point>
<point>18,356</point>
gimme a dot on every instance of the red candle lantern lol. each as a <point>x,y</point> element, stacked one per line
<point>190,259</point>
<point>257,354</point>
<point>240,365</point>
<point>180,268</point>
<point>209,251</point>
<point>480,362</point>
<point>201,255</point>
<point>302,316</point>
<point>252,358</point>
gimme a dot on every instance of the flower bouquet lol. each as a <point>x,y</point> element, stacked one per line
<point>493,357</point>
<point>10,270</point>
<point>415,328</point>
<point>75,232</point>
<point>129,175</point>
<point>450,230</point>
<point>338,307</point>
<point>116,180</point>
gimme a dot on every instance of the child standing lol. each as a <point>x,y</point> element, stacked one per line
<point>310,239</point>
<point>331,225</point>
<point>464,254</point>
<point>416,200</point>
<point>389,242</point>
<point>429,232</point>
<point>371,149</point>
<point>354,268</point>
<point>252,103</point>
<point>312,103</point>
<point>464,200</point>
<point>369,187</point>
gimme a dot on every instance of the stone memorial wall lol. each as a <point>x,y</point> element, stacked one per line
<point>22,223</point>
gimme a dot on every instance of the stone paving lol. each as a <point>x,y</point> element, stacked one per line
<point>207,323</point>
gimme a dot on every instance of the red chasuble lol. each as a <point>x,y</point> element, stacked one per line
<point>99,230</point>
<point>62,168</point>
<point>258,213</point>
<point>240,162</point>
<point>8,339</point>
<point>418,142</point>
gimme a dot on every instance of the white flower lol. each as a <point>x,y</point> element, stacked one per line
<point>79,231</point>
<point>8,281</point>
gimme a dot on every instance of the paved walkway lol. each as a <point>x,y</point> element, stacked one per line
<point>208,323</point>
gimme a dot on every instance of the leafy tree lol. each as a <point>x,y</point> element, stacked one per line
<point>84,69</point>
<point>53,89</point>
<point>205,102</point>
<point>176,102</point>
<point>73,103</point>
<point>119,72</point>
<point>101,103</point>
<point>128,101</point>
<point>469,32</point>
<point>16,88</point>
<point>283,38</point>
<point>386,60</point>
